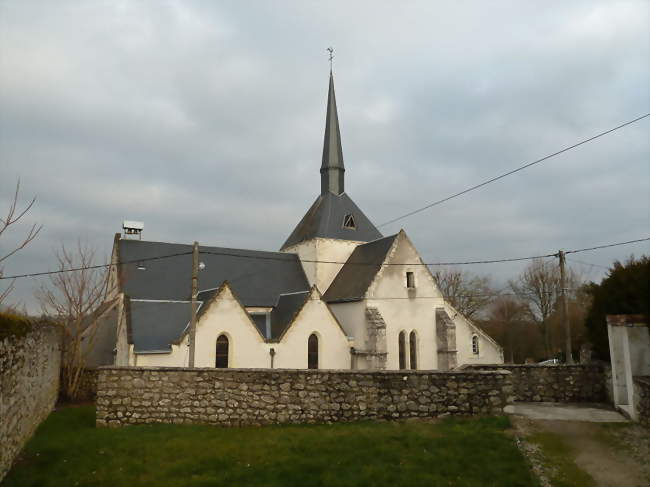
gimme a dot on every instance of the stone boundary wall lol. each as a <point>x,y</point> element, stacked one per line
<point>554,383</point>
<point>29,387</point>
<point>233,397</point>
<point>642,399</point>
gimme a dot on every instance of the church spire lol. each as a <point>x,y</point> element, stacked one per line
<point>332,170</point>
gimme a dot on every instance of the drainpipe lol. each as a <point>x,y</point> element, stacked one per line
<point>272,353</point>
<point>352,358</point>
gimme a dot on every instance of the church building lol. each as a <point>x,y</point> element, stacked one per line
<point>337,295</point>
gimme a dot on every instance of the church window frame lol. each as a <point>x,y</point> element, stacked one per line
<point>348,222</point>
<point>313,344</point>
<point>413,350</point>
<point>222,352</point>
<point>401,350</point>
<point>410,280</point>
<point>475,344</point>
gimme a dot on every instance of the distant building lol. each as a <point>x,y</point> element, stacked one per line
<point>338,295</point>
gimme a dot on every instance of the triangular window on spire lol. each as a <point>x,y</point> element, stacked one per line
<point>348,222</point>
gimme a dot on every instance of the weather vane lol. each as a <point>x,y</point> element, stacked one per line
<point>331,51</point>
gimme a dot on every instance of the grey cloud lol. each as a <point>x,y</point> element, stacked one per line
<point>205,120</point>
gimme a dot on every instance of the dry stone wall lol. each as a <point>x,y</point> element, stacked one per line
<point>642,399</point>
<point>29,386</point>
<point>232,397</point>
<point>555,383</point>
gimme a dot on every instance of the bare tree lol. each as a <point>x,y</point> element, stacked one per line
<point>539,287</point>
<point>73,298</point>
<point>468,293</point>
<point>509,312</point>
<point>13,216</point>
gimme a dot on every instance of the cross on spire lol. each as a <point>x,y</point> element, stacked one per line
<point>331,56</point>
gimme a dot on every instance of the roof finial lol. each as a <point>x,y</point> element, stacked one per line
<point>331,51</point>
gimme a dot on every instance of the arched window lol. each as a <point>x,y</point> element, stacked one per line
<point>475,344</point>
<point>413,348</point>
<point>222,352</point>
<point>312,352</point>
<point>402,350</point>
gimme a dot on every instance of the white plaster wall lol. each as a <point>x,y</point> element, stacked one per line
<point>352,317</point>
<point>307,254</point>
<point>328,250</point>
<point>333,345</point>
<point>617,349</point>
<point>178,357</point>
<point>489,351</point>
<point>396,303</point>
<point>122,355</point>
<point>224,315</point>
<point>639,339</point>
<point>331,250</point>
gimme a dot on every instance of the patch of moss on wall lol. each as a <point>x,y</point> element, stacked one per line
<point>13,325</point>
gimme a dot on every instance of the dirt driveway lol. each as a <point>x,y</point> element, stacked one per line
<point>583,446</point>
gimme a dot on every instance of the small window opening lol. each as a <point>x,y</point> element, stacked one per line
<point>312,352</point>
<point>222,352</point>
<point>475,349</point>
<point>348,222</point>
<point>410,280</point>
<point>402,350</point>
<point>413,345</point>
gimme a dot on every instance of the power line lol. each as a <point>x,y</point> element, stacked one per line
<point>455,195</point>
<point>159,257</point>
<point>494,261</point>
<point>98,266</point>
<point>433,264</point>
<point>607,245</point>
<point>588,263</point>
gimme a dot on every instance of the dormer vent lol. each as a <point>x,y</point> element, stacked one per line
<point>348,222</point>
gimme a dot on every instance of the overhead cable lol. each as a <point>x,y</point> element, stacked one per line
<point>477,186</point>
<point>288,256</point>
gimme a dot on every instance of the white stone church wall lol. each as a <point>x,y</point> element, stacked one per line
<point>405,309</point>
<point>333,344</point>
<point>489,352</point>
<point>328,252</point>
<point>410,310</point>
<point>247,348</point>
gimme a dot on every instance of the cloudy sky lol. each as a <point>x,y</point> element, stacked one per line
<point>205,120</point>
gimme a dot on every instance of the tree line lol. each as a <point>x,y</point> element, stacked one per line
<point>526,317</point>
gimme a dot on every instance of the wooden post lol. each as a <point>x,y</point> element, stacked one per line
<point>195,290</point>
<point>565,308</point>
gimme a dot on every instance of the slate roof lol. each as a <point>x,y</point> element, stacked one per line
<point>258,278</point>
<point>325,219</point>
<point>286,309</point>
<point>356,275</point>
<point>156,325</point>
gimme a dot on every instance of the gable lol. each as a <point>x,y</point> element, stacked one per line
<point>390,282</point>
<point>359,271</point>
<point>313,301</point>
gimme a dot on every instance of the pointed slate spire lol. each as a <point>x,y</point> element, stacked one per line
<point>332,171</point>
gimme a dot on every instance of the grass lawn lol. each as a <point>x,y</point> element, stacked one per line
<point>68,450</point>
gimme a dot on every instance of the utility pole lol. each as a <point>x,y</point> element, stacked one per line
<point>195,290</point>
<point>565,307</point>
